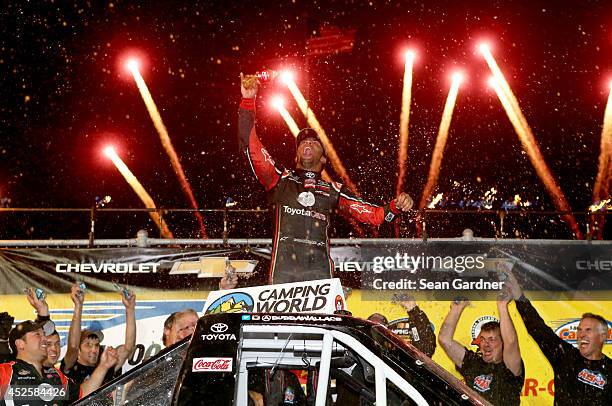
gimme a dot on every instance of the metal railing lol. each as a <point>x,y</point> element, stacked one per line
<point>496,224</point>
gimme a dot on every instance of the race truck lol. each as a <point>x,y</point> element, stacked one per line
<point>287,359</point>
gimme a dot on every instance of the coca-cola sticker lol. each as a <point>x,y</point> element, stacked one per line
<point>212,365</point>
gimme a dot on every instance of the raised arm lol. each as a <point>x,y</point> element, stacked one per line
<point>454,350</point>
<point>125,350</point>
<point>426,339</point>
<point>74,333</point>
<point>40,305</point>
<point>512,352</point>
<point>552,346</point>
<point>366,212</point>
<point>108,359</point>
<point>261,162</point>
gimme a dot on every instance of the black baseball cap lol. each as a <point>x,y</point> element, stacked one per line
<point>25,327</point>
<point>306,133</point>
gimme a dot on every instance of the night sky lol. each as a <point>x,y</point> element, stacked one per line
<point>65,95</point>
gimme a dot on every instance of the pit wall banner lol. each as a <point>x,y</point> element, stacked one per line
<point>167,280</point>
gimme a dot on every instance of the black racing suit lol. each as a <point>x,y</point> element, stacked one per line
<point>303,203</point>
<point>21,384</point>
<point>578,381</point>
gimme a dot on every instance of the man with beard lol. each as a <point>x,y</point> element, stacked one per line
<point>497,373</point>
<point>303,201</point>
<point>583,374</point>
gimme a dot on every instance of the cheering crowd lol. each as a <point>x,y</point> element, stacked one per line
<point>496,370</point>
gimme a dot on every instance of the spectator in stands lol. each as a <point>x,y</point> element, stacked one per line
<point>583,375</point>
<point>179,325</point>
<point>6,322</point>
<point>497,372</point>
<point>83,351</point>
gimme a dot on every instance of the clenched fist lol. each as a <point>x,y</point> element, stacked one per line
<point>404,202</point>
<point>248,86</point>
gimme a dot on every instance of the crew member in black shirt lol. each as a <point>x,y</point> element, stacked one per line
<point>583,374</point>
<point>83,351</point>
<point>497,373</point>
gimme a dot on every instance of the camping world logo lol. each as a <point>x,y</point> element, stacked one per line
<point>237,302</point>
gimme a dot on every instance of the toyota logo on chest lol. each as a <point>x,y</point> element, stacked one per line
<point>219,328</point>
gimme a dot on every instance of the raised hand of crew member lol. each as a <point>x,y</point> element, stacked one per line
<point>404,202</point>
<point>513,286</point>
<point>408,304</point>
<point>248,86</point>
<point>230,279</point>
<point>459,304</point>
<point>109,357</point>
<point>77,295</point>
<point>504,296</point>
<point>129,303</point>
<point>40,305</point>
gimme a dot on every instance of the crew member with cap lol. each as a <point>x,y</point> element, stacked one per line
<point>27,381</point>
<point>84,346</point>
<point>303,200</point>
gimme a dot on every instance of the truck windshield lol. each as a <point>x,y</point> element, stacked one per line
<point>150,384</point>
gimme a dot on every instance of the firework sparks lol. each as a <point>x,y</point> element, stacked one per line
<point>404,121</point>
<point>132,66</point>
<point>402,155</point>
<point>130,178</point>
<point>435,200</point>
<point>436,159</point>
<point>279,105</point>
<point>600,206</point>
<point>601,187</point>
<point>530,145</point>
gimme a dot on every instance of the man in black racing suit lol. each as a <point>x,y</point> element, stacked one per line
<point>303,201</point>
